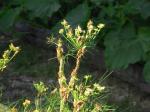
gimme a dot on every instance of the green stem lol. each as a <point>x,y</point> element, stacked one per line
<point>62,104</point>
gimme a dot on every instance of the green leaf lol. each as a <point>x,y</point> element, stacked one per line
<point>40,8</point>
<point>122,48</point>
<point>131,7</point>
<point>109,10</point>
<point>146,71</point>
<point>8,17</point>
<point>97,2</point>
<point>144,37</point>
<point>140,6</point>
<point>77,16</point>
<point>144,10</point>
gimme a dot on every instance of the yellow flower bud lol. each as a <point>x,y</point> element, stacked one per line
<point>99,87</point>
<point>13,109</point>
<point>88,91</point>
<point>64,22</point>
<point>26,102</point>
<point>100,26</point>
<point>61,31</point>
<point>36,110</point>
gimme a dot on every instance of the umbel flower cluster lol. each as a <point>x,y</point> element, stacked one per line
<point>80,38</point>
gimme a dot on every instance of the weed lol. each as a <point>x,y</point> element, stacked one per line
<point>72,95</point>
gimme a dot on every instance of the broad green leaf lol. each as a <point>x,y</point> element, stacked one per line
<point>8,17</point>
<point>77,16</point>
<point>41,8</point>
<point>123,55</point>
<point>144,37</point>
<point>109,10</point>
<point>97,2</point>
<point>131,7</point>
<point>122,48</point>
<point>145,10</point>
<point>140,6</point>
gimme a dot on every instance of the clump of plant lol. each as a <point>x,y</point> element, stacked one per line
<point>78,42</point>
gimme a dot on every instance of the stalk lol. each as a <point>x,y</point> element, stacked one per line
<point>79,39</point>
<point>73,78</point>
<point>77,105</point>
<point>74,72</point>
<point>61,76</point>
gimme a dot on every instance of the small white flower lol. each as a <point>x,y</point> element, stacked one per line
<point>61,31</point>
<point>100,26</point>
<point>88,91</point>
<point>69,33</point>
<point>99,87</point>
<point>79,29</point>
<point>87,77</point>
<point>64,22</point>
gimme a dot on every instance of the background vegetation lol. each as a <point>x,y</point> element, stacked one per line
<point>27,23</point>
<point>125,38</point>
